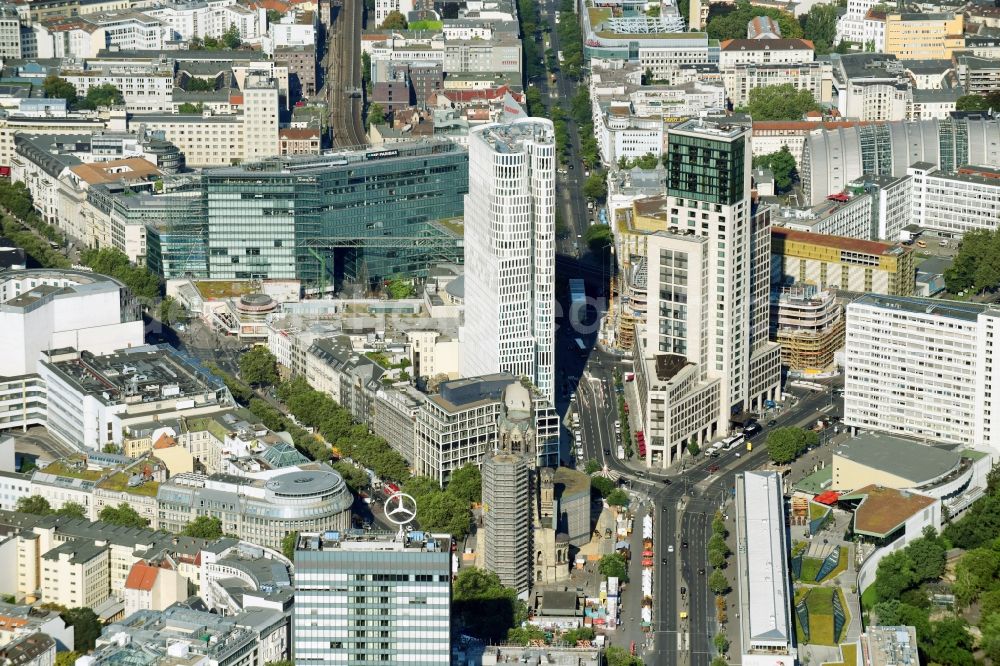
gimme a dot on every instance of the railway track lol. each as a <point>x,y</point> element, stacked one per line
<point>343,93</point>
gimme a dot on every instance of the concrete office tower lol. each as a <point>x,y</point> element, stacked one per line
<point>705,356</point>
<point>260,122</point>
<point>507,518</point>
<point>510,252</point>
<point>922,368</point>
<point>372,598</point>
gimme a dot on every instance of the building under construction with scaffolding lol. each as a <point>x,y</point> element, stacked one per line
<point>361,215</point>
<point>809,326</point>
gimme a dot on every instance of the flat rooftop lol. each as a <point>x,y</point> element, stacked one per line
<point>781,235</point>
<point>892,646</point>
<point>762,517</point>
<point>360,540</point>
<point>137,375</point>
<point>510,138</point>
<point>926,306</point>
<point>916,462</point>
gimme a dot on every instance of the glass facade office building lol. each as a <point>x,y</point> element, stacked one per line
<point>371,213</point>
<point>363,597</point>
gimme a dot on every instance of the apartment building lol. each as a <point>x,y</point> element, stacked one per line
<point>764,52</point>
<point>922,368</point>
<point>623,134</point>
<point>809,326</point>
<point>932,36</point>
<point>741,78</point>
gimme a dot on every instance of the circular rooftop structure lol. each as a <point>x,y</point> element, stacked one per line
<point>306,483</point>
<point>256,304</point>
<point>456,288</point>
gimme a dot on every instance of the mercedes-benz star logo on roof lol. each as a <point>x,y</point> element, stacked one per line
<point>400,508</point>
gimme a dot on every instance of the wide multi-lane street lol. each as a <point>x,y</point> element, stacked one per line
<point>684,500</point>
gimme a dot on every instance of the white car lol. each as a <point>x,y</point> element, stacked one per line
<point>670,548</point>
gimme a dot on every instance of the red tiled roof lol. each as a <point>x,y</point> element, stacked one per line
<point>838,242</point>
<point>141,577</point>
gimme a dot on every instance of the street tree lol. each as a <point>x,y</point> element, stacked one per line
<point>444,512</point>
<point>602,485</point>
<point>596,186</point>
<point>482,606</point>
<point>591,466</point>
<point>599,238</point>
<point>618,497</point>
<point>259,367</point>
<point>717,582</point>
<point>786,444</point>
<point>616,655</point>
<point>467,483</point>
<point>721,642</point>
<point>613,565</point>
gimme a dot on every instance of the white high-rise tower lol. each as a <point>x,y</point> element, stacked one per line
<point>510,252</point>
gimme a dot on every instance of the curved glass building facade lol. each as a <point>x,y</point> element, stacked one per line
<point>833,158</point>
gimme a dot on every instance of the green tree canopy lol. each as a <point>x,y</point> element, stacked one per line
<point>86,628</point>
<point>782,165</point>
<point>394,21</point>
<point>466,483</point>
<point>189,109</point>
<point>596,186</point>
<point>781,102</point>
<point>56,87</point>
<point>376,114</point>
<point>482,605</point>
<point>196,84</point>
<point>820,26</point>
<point>35,504</point>
<point>259,367</point>
<point>613,565</point>
<point>975,573</point>
<point>717,582</point>
<point>104,95</point>
<point>989,626</point>
<point>203,527</point>
<point>786,444</point>
<point>616,655</point>
<point>231,38</point>
<point>894,575</point>
<point>602,485</point>
<point>599,238</point>
<point>591,466</point>
<point>950,643</point>
<point>72,510</point>
<point>444,512</point>
<point>288,545</point>
<point>618,497</point>
<point>110,261</point>
<point>356,479</point>
<point>123,514</point>
<point>971,103</point>
<point>977,265</point>
<point>730,21</point>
